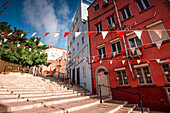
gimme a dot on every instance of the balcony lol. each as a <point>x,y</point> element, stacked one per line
<point>111,27</point>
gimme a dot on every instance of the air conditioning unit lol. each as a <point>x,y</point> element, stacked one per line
<point>136,53</point>
<point>105,3</point>
<point>111,27</point>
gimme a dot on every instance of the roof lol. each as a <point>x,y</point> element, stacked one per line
<point>56,47</point>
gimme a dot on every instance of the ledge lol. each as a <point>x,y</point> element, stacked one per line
<point>123,86</point>
<point>98,34</point>
<point>167,84</point>
<point>128,18</point>
<point>146,9</point>
<point>147,85</point>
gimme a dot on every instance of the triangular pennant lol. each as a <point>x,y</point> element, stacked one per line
<point>9,34</point>
<point>158,60</point>
<point>97,57</point>
<point>12,42</point>
<point>5,4</point>
<point>24,47</point>
<point>89,33</point>
<point>5,34</point>
<point>131,61</point>
<point>168,59</point>
<point>5,40</point>
<point>46,34</point>
<point>104,33</point>
<point>133,50</point>
<point>122,52</point>
<point>30,49</point>
<point>0,43</point>
<point>87,60</point>
<point>120,34</point>
<point>56,34</point>
<point>77,34</point>
<point>117,61</point>
<point>143,47</point>
<point>40,53</point>
<point>148,61</point>
<point>35,51</point>
<point>93,57</point>
<point>105,61</point>
<point>158,44</point>
<point>111,61</point>
<point>123,61</point>
<point>138,61</point>
<point>114,54</point>
<point>107,55</point>
<point>100,61</point>
<point>66,33</point>
<point>138,33</point>
<point>96,61</point>
<point>33,34</point>
<point>92,61</point>
<point>15,34</point>
<point>22,34</point>
<point>159,33</point>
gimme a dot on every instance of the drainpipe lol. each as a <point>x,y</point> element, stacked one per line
<point>124,42</point>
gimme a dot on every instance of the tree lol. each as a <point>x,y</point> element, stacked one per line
<point>19,49</point>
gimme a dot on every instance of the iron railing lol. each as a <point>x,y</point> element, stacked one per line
<point>139,94</point>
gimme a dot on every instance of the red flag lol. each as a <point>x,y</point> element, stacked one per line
<point>5,34</point>
<point>105,61</point>
<point>72,59</point>
<point>159,33</point>
<point>143,47</point>
<point>131,61</point>
<point>46,34</point>
<point>97,57</point>
<point>24,47</point>
<point>81,60</point>
<point>122,52</point>
<point>120,33</point>
<point>35,51</point>
<point>12,42</point>
<point>96,61</point>
<point>2,11</point>
<point>117,61</point>
<point>168,59</point>
<point>50,69</point>
<point>66,33</point>
<point>148,61</point>
<point>107,55</point>
<point>87,60</point>
<point>89,33</point>
<point>15,34</point>
<point>5,4</point>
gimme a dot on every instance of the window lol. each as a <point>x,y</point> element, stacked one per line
<point>143,75</point>
<point>126,13</point>
<point>83,54</point>
<point>77,46</point>
<point>166,70</point>
<point>116,46</point>
<point>84,72</point>
<point>96,7</point>
<point>135,42</point>
<point>122,78</point>
<point>111,20</point>
<point>143,4</point>
<point>82,39</point>
<point>102,52</point>
<point>99,27</point>
<point>157,26</point>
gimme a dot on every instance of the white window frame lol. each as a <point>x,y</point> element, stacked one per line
<point>164,62</point>
<point>110,18</point>
<point>126,13</point>
<point>136,46</point>
<point>120,70</point>
<point>117,51</point>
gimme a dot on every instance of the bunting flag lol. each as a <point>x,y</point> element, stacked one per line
<point>66,34</point>
<point>22,34</point>
<point>33,34</point>
<point>105,61</point>
<point>138,33</point>
<point>111,61</point>
<point>131,61</point>
<point>9,34</point>
<point>148,61</point>
<point>5,4</point>
<point>87,60</point>
<point>30,49</point>
<point>159,33</point>
<point>53,56</point>
<point>46,34</point>
<point>24,47</point>
<point>2,11</point>
<point>122,52</point>
<point>114,54</point>
<point>96,61</point>
<point>93,57</point>
<point>92,61</point>
<point>5,34</point>
<point>0,43</point>
<point>89,33</point>
<point>35,51</point>
<point>97,57</point>
<point>168,59</point>
<point>100,61</point>
<point>138,61</point>
<point>158,60</point>
<point>5,40</point>
<point>12,42</point>
<point>120,34</point>
<point>158,44</point>
<point>77,34</point>
<point>18,45</point>
<point>107,55</point>
<point>117,61</point>
<point>56,34</point>
<point>104,33</point>
<point>133,50</point>
<point>143,47</point>
<point>15,34</point>
<point>123,61</point>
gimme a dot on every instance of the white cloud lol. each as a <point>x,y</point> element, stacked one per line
<point>47,16</point>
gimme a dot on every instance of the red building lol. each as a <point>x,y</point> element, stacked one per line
<point>140,72</point>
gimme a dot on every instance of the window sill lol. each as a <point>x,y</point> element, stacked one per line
<point>167,84</point>
<point>146,9</point>
<point>146,85</point>
<point>128,18</point>
<point>124,86</point>
<point>116,55</point>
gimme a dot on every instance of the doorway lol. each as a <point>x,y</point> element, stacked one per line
<point>78,76</point>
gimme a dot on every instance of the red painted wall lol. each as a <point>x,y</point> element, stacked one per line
<point>155,95</point>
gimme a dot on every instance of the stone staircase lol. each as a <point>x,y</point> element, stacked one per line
<point>43,95</point>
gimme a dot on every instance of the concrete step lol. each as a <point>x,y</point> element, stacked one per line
<point>27,89</point>
<point>138,110</point>
<point>11,107</point>
<point>127,108</point>
<point>61,108</point>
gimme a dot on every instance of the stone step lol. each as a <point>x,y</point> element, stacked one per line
<point>27,89</point>
<point>138,110</point>
<point>60,108</point>
<point>11,107</point>
<point>10,100</point>
<point>127,108</point>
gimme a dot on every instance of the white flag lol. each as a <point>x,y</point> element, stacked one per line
<point>138,61</point>
<point>40,53</point>
<point>104,33</point>
<point>158,60</point>
<point>22,34</point>
<point>133,50</point>
<point>114,54</point>
<point>123,61</point>
<point>93,57</point>
<point>18,45</point>
<point>158,44</point>
<point>5,40</point>
<point>92,61</point>
<point>138,33</point>
<point>77,34</point>
<point>33,34</point>
<point>30,49</point>
<point>0,43</point>
<point>56,34</point>
<point>100,61</point>
<point>9,34</point>
<point>111,61</point>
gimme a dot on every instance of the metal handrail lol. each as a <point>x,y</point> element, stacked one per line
<point>139,94</point>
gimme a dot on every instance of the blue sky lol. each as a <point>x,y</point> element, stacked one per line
<point>41,16</point>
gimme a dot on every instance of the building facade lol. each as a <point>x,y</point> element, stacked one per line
<point>78,69</point>
<point>121,63</point>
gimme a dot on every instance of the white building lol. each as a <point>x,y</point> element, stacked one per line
<point>78,48</point>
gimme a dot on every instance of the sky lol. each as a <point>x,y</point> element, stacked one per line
<point>41,16</point>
